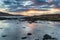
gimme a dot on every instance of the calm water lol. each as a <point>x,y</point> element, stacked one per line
<point>15,29</point>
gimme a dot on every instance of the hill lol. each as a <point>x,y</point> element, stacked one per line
<point>7,14</point>
<point>49,17</point>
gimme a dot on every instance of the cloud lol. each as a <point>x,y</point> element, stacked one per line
<point>16,5</point>
<point>25,3</point>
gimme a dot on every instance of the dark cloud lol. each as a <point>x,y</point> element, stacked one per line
<point>16,5</point>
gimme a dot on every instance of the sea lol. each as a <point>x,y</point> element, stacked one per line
<point>23,30</point>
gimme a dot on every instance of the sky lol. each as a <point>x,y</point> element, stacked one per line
<point>21,5</point>
<point>17,5</point>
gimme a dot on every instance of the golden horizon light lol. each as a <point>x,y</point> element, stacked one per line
<point>32,12</point>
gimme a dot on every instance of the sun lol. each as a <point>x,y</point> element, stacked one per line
<point>31,11</point>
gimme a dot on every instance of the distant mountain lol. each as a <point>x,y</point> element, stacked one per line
<point>7,14</point>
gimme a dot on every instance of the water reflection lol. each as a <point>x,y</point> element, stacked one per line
<point>32,25</point>
<point>15,30</point>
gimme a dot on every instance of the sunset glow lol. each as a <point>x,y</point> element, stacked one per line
<point>32,12</point>
<point>39,12</point>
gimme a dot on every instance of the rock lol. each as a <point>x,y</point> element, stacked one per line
<point>36,39</point>
<point>46,37</point>
<point>23,37</point>
<point>52,33</point>
<point>24,27</point>
<point>4,35</point>
<point>54,38</point>
<point>1,28</point>
<point>29,33</point>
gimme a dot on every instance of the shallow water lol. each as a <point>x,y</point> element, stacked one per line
<point>15,30</point>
